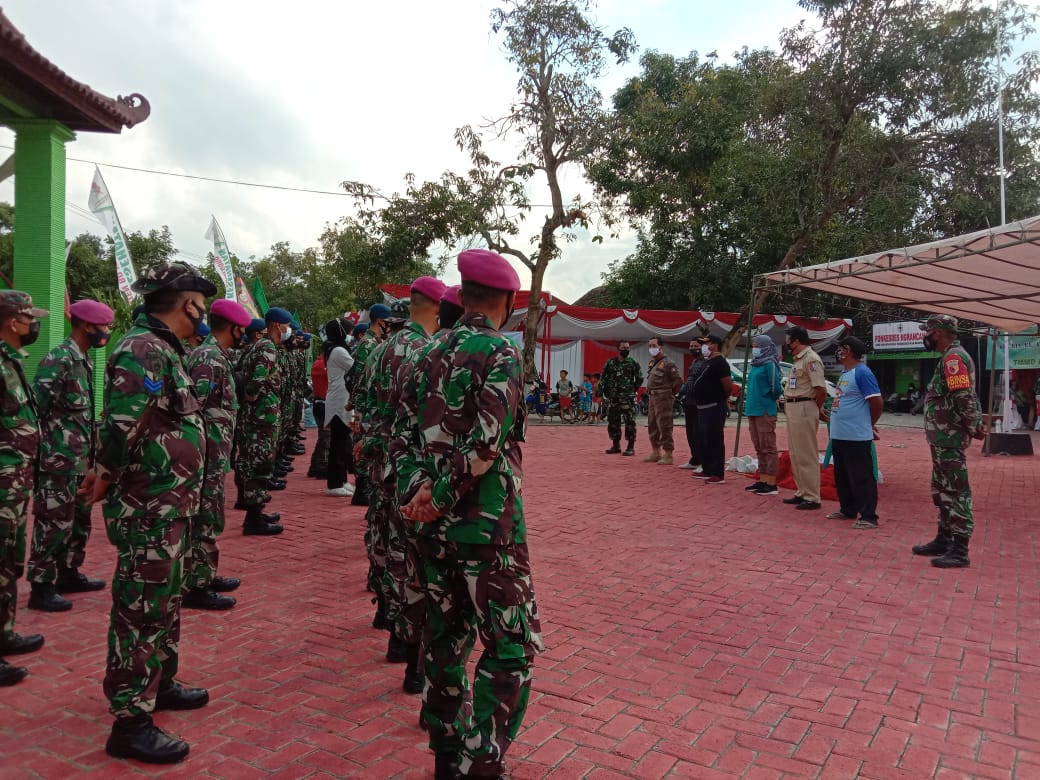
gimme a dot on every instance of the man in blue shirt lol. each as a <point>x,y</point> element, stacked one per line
<point>853,415</point>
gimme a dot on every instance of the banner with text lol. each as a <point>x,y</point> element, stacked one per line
<point>898,335</point>
<point>1023,348</point>
<point>101,205</point>
<point>221,258</point>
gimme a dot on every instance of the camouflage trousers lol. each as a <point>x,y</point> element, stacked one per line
<point>951,492</point>
<point>203,555</point>
<point>401,585</point>
<point>61,527</point>
<point>254,460</point>
<point>615,412</point>
<point>15,492</point>
<point>376,524</point>
<point>145,626</point>
<point>487,588</point>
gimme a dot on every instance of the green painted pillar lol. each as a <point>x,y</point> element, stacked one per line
<point>39,236</point>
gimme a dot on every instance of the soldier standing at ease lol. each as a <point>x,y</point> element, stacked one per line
<point>952,418</point>
<point>473,541</point>
<point>622,376</point>
<point>64,390</point>
<point>213,376</point>
<point>149,469</point>
<point>663,383</point>
<point>19,443</point>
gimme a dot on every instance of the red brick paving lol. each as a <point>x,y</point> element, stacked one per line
<point>693,632</point>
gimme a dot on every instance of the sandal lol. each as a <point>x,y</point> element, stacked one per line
<point>839,516</point>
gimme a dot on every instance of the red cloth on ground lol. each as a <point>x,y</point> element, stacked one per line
<point>785,479</point>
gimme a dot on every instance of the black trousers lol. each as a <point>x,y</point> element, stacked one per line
<point>690,415</point>
<point>711,441</point>
<point>341,453</point>
<point>854,478</point>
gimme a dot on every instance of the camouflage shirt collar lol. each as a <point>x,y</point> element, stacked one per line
<point>414,326</point>
<point>11,353</point>
<point>477,320</point>
<point>158,327</point>
<point>77,353</point>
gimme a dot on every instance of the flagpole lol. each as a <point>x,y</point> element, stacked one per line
<point>1007,405</point>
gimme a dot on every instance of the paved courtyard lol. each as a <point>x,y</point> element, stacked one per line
<point>692,632</point>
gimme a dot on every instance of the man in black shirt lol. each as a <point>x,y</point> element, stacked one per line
<point>710,391</point>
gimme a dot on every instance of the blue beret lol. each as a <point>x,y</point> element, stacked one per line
<point>295,325</point>
<point>306,336</point>
<point>379,311</point>
<point>360,329</point>
<point>256,326</point>
<point>203,330</point>
<point>278,316</point>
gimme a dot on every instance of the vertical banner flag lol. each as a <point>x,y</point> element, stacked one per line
<point>246,299</point>
<point>260,297</point>
<point>221,257</point>
<point>100,204</point>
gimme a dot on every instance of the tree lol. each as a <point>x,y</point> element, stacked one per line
<point>876,129</point>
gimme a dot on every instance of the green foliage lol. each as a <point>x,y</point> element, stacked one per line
<point>875,126</point>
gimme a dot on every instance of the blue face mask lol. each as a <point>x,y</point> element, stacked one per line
<point>756,352</point>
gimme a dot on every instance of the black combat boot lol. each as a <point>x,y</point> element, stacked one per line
<point>140,739</point>
<point>228,584</point>
<point>446,765</point>
<point>938,546</point>
<point>413,676</point>
<point>74,581</point>
<point>956,556</point>
<point>276,484</point>
<point>395,650</point>
<point>616,449</point>
<point>16,644</point>
<point>11,675</point>
<point>631,449</point>
<point>255,525</point>
<point>46,599</point>
<point>206,598</point>
<point>379,619</point>
<point>174,696</point>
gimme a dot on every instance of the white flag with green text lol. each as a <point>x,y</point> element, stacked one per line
<point>221,257</point>
<point>100,203</point>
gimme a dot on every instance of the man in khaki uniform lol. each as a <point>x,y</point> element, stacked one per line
<point>804,398</point>
<point>663,383</point>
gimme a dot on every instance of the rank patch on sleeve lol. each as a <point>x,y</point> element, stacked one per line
<point>152,386</point>
<point>956,374</point>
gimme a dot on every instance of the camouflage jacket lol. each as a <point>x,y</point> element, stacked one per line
<point>620,380</point>
<point>64,390</point>
<point>951,408</point>
<point>19,428</point>
<point>213,376</point>
<point>151,443</point>
<point>393,370</point>
<point>263,394</point>
<point>362,374</point>
<point>468,395</point>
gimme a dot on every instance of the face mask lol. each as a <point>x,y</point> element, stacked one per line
<point>929,343</point>
<point>98,338</point>
<point>196,318</point>
<point>654,351</point>
<point>623,353</point>
<point>32,335</point>
<point>705,350</point>
<point>287,334</point>
<point>756,352</point>
<point>238,341</point>
<point>840,356</point>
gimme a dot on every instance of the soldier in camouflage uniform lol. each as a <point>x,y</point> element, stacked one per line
<point>405,607</point>
<point>19,443</point>
<point>473,540</point>
<point>64,390</point>
<point>364,453</point>
<point>149,469</point>
<point>261,423</point>
<point>621,377</point>
<point>213,376</point>
<point>952,418</point>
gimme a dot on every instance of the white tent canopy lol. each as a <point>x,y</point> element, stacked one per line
<point>992,276</point>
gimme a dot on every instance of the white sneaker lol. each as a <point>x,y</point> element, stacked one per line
<point>346,490</point>
<point>688,465</point>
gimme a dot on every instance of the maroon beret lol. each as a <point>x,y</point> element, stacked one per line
<point>451,295</point>
<point>489,269</point>
<point>92,312</point>
<point>232,311</point>
<point>428,286</point>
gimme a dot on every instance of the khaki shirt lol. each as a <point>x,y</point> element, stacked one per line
<point>806,374</point>
<point>663,375</point>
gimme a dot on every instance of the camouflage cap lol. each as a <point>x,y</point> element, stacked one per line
<point>940,322</point>
<point>173,276</point>
<point>399,309</point>
<point>17,302</point>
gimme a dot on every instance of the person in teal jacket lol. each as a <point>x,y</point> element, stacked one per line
<point>760,397</point>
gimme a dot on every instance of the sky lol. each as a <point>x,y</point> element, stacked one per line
<point>311,93</point>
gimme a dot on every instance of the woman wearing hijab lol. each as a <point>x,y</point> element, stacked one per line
<point>761,394</point>
<point>338,363</point>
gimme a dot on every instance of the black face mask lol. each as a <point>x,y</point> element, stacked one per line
<point>32,335</point>
<point>623,353</point>
<point>196,319</point>
<point>929,343</point>
<point>238,341</point>
<point>98,338</point>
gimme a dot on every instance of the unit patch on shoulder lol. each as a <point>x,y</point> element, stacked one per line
<point>956,373</point>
